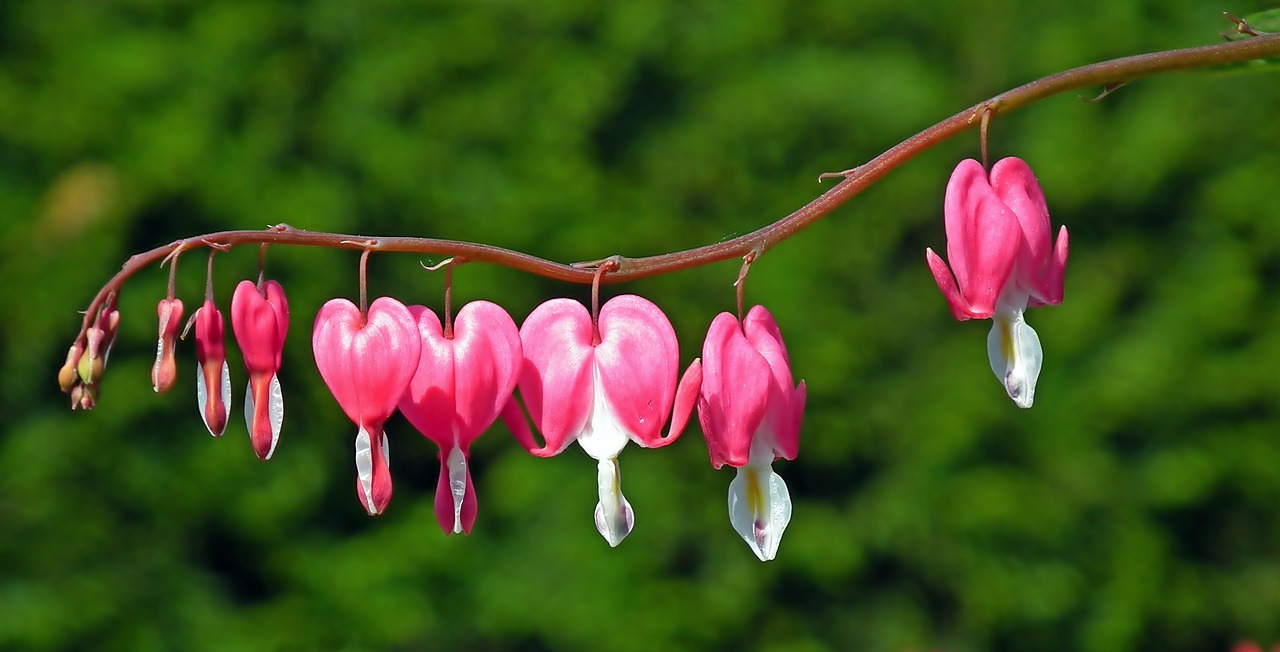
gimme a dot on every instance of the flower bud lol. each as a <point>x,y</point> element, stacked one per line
<point>67,376</point>
<point>165,369</point>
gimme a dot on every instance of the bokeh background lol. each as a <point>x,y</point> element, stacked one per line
<point>1135,507</point>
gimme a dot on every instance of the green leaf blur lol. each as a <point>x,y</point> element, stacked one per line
<point>1135,507</point>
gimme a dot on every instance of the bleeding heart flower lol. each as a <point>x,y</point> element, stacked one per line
<point>213,378</point>
<point>367,362</point>
<point>1001,251</point>
<point>463,380</point>
<point>603,389</point>
<point>750,416</point>
<point>165,370</point>
<point>260,321</point>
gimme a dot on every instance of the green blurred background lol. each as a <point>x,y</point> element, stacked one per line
<point>1133,508</point>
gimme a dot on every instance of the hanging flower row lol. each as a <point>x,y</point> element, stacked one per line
<point>602,377</point>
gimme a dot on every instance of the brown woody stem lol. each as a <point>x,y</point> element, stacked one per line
<point>1107,73</point>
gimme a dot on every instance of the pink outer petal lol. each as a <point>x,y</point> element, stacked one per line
<point>783,415</point>
<point>429,400</point>
<point>638,360</point>
<point>444,498</point>
<point>462,384</point>
<point>983,238</point>
<point>556,378</point>
<point>687,394</point>
<point>260,325</point>
<point>735,392</point>
<point>1040,265</point>
<point>366,362</point>
<point>488,358</point>
<point>959,307</point>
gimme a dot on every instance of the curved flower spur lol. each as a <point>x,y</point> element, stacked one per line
<point>603,384</point>
<point>1004,261</point>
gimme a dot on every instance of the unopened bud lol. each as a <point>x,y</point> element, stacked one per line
<point>67,376</point>
<point>165,370</point>
<point>91,364</point>
<point>83,397</point>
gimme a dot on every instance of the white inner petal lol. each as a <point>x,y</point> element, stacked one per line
<point>276,412</point>
<point>202,398</point>
<point>601,437</point>
<point>226,396</point>
<point>614,516</point>
<point>759,503</point>
<point>364,467</point>
<point>457,466</point>
<point>1013,348</point>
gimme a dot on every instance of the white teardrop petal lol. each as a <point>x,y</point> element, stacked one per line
<point>364,467</point>
<point>202,399</point>
<point>226,395</point>
<point>457,465</point>
<point>759,508</point>
<point>614,517</point>
<point>275,412</point>
<point>1013,349</point>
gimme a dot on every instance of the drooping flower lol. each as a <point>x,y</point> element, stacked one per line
<point>1004,260</point>
<point>603,388</point>
<point>367,362</point>
<point>213,378</point>
<point>165,369</point>
<point>260,321</point>
<point>750,414</point>
<point>463,380</point>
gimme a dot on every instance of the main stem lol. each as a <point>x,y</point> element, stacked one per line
<point>1107,73</point>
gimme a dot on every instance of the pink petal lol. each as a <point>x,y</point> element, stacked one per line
<point>782,418</point>
<point>735,392</point>
<point>638,361</point>
<point>947,284</point>
<point>1016,186</point>
<point>983,238</point>
<point>556,378</point>
<point>488,358</point>
<point>429,400</point>
<point>366,361</point>
<point>213,380</point>
<point>260,325</point>
<point>687,394</point>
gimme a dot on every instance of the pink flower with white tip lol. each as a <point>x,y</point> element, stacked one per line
<point>367,362</point>
<point>466,374</point>
<point>260,321</point>
<point>1000,246</point>
<point>603,385</point>
<point>750,415</point>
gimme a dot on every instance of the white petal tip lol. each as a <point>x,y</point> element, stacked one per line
<point>614,530</point>
<point>759,509</point>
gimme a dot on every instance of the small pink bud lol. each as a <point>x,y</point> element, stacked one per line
<point>165,370</point>
<point>213,379</point>
<point>260,321</point>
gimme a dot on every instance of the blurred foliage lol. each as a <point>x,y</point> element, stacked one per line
<point>1133,508</point>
